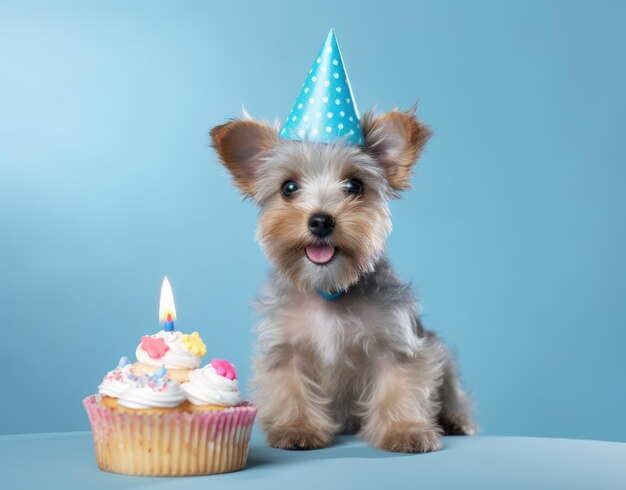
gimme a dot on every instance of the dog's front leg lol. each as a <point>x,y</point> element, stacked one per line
<point>293,410</point>
<point>400,406</point>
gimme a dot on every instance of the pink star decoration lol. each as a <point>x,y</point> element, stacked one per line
<point>224,368</point>
<point>155,347</point>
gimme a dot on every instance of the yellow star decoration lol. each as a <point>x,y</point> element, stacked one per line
<point>193,343</point>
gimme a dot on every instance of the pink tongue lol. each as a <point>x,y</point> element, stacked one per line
<point>320,254</point>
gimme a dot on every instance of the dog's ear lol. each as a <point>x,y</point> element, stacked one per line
<point>241,144</point>
<point>395,140</point>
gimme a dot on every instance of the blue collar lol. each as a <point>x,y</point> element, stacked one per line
<point>330,296</point>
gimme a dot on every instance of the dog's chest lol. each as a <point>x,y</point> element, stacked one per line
<point>339,332</point>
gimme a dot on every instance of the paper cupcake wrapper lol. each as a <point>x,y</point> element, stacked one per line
<point>171,443</point>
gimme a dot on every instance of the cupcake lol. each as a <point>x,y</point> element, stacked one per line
<point>145,422</point>
<point>152,430</point>
<point>214,387</point>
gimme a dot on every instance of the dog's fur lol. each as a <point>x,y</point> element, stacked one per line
<point>363,362</point>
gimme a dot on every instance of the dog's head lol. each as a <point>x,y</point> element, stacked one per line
<point>324,216</point>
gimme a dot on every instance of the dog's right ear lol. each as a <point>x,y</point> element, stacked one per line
<point>241,144</point>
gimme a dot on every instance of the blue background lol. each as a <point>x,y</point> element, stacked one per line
<point>514,235</point>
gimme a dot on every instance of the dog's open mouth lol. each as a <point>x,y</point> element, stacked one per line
<point>320,254</point>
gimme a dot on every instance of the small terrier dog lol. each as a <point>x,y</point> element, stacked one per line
<point>341,348</point>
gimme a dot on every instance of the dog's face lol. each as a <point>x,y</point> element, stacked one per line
<point>324,215</point>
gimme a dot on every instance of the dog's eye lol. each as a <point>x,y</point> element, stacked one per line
<point>353,186</point>
<point>289,188</point>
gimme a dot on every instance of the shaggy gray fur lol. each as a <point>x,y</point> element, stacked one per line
<point>363,362</point>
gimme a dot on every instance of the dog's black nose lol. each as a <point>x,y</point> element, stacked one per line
<point>321,225</point>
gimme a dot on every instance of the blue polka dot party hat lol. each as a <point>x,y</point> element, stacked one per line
<point>325,111</point>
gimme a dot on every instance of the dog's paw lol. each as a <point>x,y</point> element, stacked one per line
<point>411,438</point>
<point>297,438</point>
<point>457,426</point>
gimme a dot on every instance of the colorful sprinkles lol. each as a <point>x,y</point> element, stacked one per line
<point>118,374</point>
<point>157,382</point>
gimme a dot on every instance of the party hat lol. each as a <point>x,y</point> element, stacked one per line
<point>325,110</point>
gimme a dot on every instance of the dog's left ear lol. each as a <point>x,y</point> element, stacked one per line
<point>395,140</point>
<point>241,144</point>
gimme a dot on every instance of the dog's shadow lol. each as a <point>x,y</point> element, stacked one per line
<point>345,447</point>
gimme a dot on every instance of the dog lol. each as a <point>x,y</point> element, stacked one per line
<point>341,348</point>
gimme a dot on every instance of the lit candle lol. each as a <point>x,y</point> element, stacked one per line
<point>167,308</point>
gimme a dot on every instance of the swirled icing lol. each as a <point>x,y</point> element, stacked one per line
<point>151,391</point>
<point>207,387</point>
<point>176,355</point>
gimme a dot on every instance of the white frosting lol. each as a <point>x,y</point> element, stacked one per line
<point>152,392</point>
<point>115,382</point>
<point>176,357</point>
<point>206,387</point>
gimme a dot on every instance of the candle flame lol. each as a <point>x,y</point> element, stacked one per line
<point>167,308</point>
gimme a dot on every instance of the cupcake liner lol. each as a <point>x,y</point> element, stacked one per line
<point>171,443</point>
